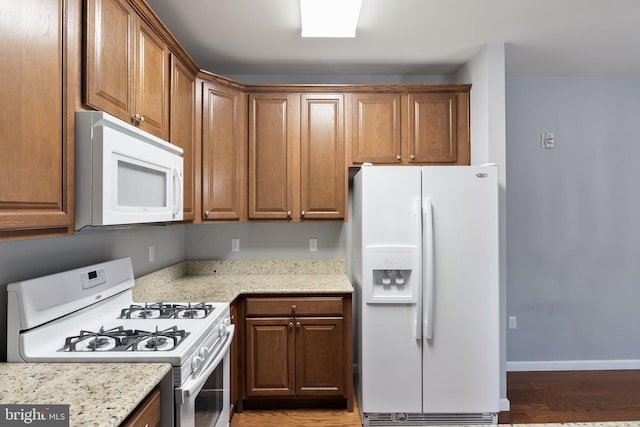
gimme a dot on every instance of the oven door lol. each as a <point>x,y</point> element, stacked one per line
<point>203,399</point>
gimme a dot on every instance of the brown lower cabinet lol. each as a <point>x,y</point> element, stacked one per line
<point>147,414</point>
<point>297,350</point>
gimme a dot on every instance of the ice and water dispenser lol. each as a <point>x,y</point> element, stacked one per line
<point>393,274</point>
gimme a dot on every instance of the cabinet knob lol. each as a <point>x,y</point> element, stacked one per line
<point>297,324</point>
<point>206,214</point>
<point>412,156</point>
<point>289,214</point>
<point>398,156</point>
<point>302,213</point>
<point>141,119</point>
<point>293,307</point>
<point>291,324</point>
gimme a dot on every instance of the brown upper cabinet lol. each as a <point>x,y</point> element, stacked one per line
<point>430,127</point>
<point>183,128</point>
<point>376,128</point>
<point>224,154</point>
<point>40,74</point>
<point>127,67</point>
<point>296,156</point>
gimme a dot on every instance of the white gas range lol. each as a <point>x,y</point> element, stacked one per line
<point>88,315</point>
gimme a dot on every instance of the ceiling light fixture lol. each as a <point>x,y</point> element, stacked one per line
<point>329,18</point>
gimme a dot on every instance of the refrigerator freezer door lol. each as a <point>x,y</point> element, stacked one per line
<point>461,361</point>
<point>390,357</point>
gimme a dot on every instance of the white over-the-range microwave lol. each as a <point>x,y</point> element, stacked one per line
<point>124,175</point>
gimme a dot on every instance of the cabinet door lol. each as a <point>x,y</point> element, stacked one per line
<point>270,357</point>
<point>152,82</point>
<point>110,56</point>
<point>271,127</point>
<point>320,356</point>
<point>433,128</point>
<point>322,167</point>
<point>36,165</point>
<point>147,414</point>
<point>376,128</point>
<point>223,154</point>
<point>183,128</point>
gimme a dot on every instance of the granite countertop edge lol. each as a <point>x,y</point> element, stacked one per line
<point>97,393</point>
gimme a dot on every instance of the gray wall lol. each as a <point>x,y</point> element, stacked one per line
<point>263,240</point>
<point>573,222</point>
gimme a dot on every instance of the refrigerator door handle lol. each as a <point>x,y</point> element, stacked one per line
<point>419,311</point>
<point>427,211</point>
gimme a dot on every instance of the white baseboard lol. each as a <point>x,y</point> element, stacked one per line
<point>573,365</point>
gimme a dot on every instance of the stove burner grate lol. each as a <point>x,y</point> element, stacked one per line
<point>161,310</point>
<point>121,339</point>
<point>166,339</point>
<point>111,339</point>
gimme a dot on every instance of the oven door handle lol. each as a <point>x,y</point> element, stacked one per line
<point>193,385</point>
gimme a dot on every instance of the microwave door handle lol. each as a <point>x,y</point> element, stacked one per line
<point>178,205</point>
<point>193,385</point>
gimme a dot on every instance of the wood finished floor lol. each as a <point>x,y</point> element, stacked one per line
<point>572,396</point>
<point>535,397</point>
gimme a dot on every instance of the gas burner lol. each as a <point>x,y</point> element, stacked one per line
<point>192,311</point>
<point>164,340</point>
<point>109,340</point>
<point>161,310</point>
<point>146,311</point>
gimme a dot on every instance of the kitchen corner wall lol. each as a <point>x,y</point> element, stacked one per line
<point>573,222</point>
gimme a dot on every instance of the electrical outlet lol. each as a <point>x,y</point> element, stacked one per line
<point>152,253</point>
<point>235,245</point>
<point>313,245</point>
<point>513,322</point>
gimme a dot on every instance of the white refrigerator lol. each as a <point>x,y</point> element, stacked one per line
<point>425,269</point>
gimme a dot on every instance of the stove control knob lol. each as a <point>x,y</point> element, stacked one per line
<point>204,352</point>
<point>222,329</point>
<point>196,363</point>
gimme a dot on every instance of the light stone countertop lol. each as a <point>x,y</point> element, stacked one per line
<point>223,281</point>
<point>99,394</point>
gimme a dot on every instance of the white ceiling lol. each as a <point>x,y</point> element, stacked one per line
<point>411,37</point>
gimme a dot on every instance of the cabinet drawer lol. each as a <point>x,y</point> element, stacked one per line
<point>298,306</point>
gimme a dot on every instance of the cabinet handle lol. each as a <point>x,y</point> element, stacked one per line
<point>141,119</point>
<point>291,324</point>
<point>289,214</point>
<point>206,214</point>
<point>413,156</point>
<point>398,156</point>
<point>293,307</point>
<point>297,324</point>
<point>302,213</point>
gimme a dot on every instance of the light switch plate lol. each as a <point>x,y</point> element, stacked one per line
<point>547,140</point>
